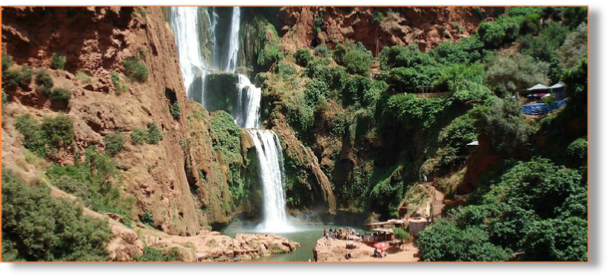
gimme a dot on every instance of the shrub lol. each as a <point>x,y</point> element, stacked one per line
<point>318,22</point>
<point>445,241</point>
<point>147,218</point>
<point>175,110</point>
<point>357,62</point>
<point>33,137</point>
<point>16,78</point>
<point>502,122</point>
<point>321,50</point>
<point>154,134</point>
<point>477,11</point>
<point>299,115</point>
<point>114,142</point>
<point>574,49</point>
<point>314,91</point>
<point>152,254</point>
<point>378,17</point>
<point>44,81</point>
<point>80,75</point>
<point>518,72</point>
<point>574,16</point>
<point>39,227</point>
<point>93,181</point>
<point>285,71</point>
<point>5,98</point>
<point>135,69</point>
<point>7,62</point>
<point>61,95</point>
<point>139,136</point>
<point>58,61</point>
<point>576,153</point>
<point>119,87</point>
<point>59,131</point>
<point>302,57</point>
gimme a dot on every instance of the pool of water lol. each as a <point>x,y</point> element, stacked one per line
<point>306,235</point>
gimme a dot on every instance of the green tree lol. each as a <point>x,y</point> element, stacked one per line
<point>302,57</point>
<point>358,62</point>
<point>444,241</point>
<point>502,122</point>
<point>507,75</point>
<point>39,227</point>
<point>574,49</point>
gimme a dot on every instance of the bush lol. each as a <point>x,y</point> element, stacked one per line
<point>147,218</point>
<point>302,57</point>
<point>507,75</point>
<point>576,153</point>
<point>502,122</point>
<point>93,182</point>
<point>119,87</point>
<point>39,227</point>
<point>314,91</point>
<point>139,136</point>
<point>152,254</point>
<point>114,142</point>
<point>33,137</point>
<point>574,49</point>
<point>59,131</point>
<point>61,95</point>
<point>321,50</point>
<point>285,71</point>
<point>175,110</point>
<point>16,78</point>
<point>378,17</point>
<point>58,61</point>
<point>44,81</point>
<point>575,16</point>
<point>358,62</point>
<point>135,69</point>
<point>7,62</point>
<point>299,115</point>
<point>154,134</point>
<point>445,241</point>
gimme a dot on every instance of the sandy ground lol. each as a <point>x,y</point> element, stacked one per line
<point>395,254</point>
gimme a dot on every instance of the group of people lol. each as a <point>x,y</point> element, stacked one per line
<point>333,234</point>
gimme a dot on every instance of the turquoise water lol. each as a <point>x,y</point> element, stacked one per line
<point>306,235</point>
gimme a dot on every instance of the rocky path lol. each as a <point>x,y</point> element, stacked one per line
<point>437,201</point>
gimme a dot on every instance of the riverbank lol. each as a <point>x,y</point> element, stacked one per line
<point>213,246</point>
<point>335,250</point>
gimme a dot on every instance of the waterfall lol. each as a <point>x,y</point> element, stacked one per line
<point>233,48</point>
<point>270,160</point>
<point>185,23</point>
<point>246,110</point>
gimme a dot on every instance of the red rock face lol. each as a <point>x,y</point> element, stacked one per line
<point>425,26</point>
<point>96,41</point>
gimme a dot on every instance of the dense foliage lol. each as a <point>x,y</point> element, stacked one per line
<point>39,227</point>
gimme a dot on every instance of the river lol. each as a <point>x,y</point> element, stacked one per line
<point>306,235</point>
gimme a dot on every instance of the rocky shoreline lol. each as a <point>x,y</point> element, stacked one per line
<point>212,246</point>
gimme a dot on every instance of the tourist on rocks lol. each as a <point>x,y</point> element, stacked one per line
<point>325,235</point>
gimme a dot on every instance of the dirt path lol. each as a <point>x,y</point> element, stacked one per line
<point>437,203</point>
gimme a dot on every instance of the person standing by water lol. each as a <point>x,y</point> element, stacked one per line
<point>325,233</point>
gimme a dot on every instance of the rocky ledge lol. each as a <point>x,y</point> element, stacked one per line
<point>336,250</point>
<point>212,246</point>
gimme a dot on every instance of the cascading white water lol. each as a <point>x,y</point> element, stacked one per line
<point>246,110</point>
<point>185,22</point>
<point>271,166</point>
<point>233,48</point>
